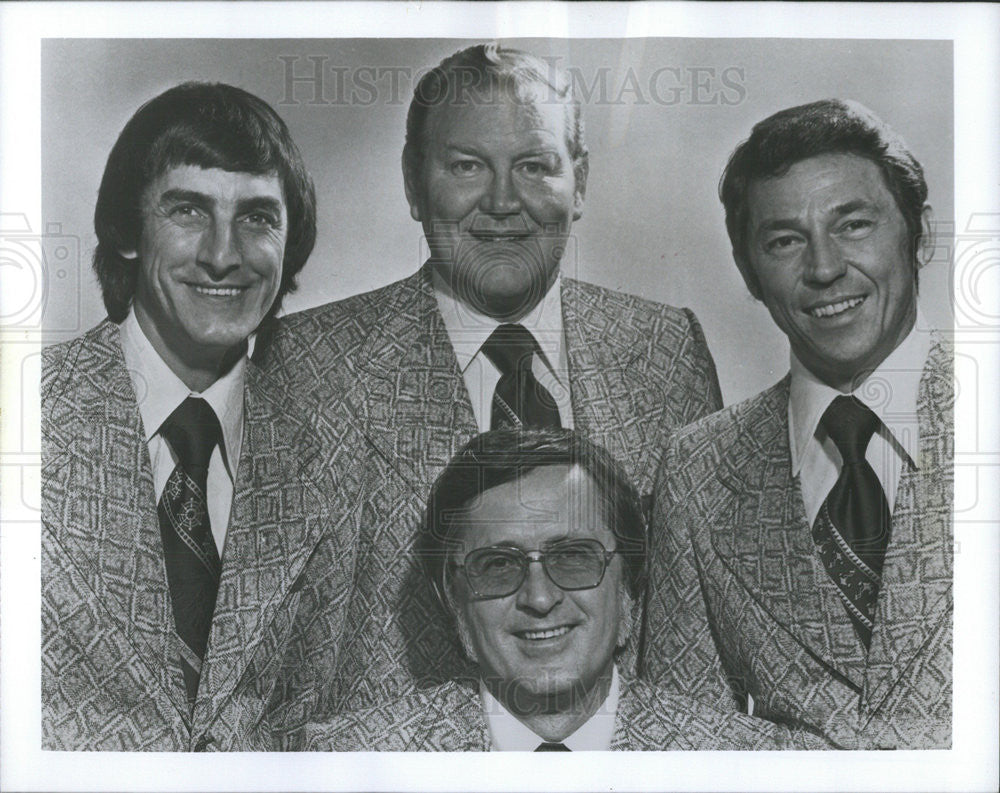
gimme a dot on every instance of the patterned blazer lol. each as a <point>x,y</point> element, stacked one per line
<point>449,718</point>
<point>111,678</point>
<point>741,604</point>
<point>637,371</point>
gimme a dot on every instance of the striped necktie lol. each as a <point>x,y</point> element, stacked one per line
<point>192,560</point>
<point>519,399</point>
<point>853,526</point>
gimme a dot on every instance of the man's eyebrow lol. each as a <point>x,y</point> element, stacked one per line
<point>182,195</point>
<point>266,203</point>
<point>463,148</point>
<point>774,224</point>
<point>853,206</point>
<point>179,194</point>
<point>846,208</point>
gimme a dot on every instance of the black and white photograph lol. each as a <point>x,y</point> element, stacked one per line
<point>608,379</point>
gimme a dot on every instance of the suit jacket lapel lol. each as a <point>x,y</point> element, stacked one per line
<point>416,407</point>
<point>915,595</point>
<point>762,534</point>
<point>640,727</point>
<point>278,516</point>
<point>110,528</point>
<point>607,374</point>
<point>453,721</point>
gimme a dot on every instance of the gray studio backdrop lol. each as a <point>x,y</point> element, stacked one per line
<point>661,115</point>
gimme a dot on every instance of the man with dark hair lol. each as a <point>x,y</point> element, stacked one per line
<point>816,516</point>
<point>192,551</point>
<point>535,544</point>
<point>488,333</point>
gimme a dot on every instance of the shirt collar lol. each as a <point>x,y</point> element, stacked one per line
<point>890,391</point>
<point>146,367</point>
<point>508,733</point>
<point>468,329</point>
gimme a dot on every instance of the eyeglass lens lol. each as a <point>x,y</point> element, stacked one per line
<point>495,572</point>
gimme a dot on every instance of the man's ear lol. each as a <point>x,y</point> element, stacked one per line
<point>412,187</point>
<point>749,276</point>
<point>581,168</point>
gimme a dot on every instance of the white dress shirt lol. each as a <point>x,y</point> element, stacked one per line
<point>509,734</point>
<point>468,330</point>
<point>159,391</point>
<point>890,391</point>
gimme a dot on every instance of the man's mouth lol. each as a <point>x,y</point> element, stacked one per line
<point>547,633</point>
<point>219,291</point>
<point>827,310</point>
<point>499,236</point>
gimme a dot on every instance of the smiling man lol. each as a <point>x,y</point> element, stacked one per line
<point>817,514</point>
<point>490,332</point>
<point>179,506</point>
<point>535,544</point>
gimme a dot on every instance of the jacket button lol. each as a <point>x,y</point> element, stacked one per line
<point>203,743</point>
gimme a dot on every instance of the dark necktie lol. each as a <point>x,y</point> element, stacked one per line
<point>192,560</point>
<point>853,525</point>
<point>519,399</point>
<point>545,746</point>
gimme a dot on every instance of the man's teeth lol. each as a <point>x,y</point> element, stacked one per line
<point>836,308</point>
<point>549,634</point>
<point>218,291</point>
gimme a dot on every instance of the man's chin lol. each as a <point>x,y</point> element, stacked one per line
<point>506,305</point>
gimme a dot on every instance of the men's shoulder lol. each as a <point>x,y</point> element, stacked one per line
<point>352,316</point>
<point>632,309</point>
<point>756,419</point>
<point>447,717</point>
<point>63,364</point>
<point>319,342</point>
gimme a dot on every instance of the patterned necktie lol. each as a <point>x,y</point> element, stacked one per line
<point>519,399</point>
<point>193,565</point>
<point>546,746</point>
<point>853,525</point>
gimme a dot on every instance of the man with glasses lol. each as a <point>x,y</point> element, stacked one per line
<point>534,544</point>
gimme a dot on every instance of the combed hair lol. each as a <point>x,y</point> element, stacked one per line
<point>824,127</point>
<point>483,71</point>
<point>500,456</point>
<point>209,125</point>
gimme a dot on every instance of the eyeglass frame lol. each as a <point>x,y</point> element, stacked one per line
<point>538,555</point>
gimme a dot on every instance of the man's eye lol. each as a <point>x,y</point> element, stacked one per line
<point>186,212</point>
<point>781,243</point>
<point>498,562</point>
<point>466,168</point>
<point>261,219</point>
<point>857,227</point>
<point>532,168</point>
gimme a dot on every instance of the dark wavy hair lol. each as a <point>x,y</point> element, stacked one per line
<point>798,133</point>
<point>210,125</point>
<point>500,456</point>
<point>482,71</point>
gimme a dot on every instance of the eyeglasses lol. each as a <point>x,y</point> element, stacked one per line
<point>497,571</point>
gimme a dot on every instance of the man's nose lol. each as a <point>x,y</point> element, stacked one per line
<point>220,250</point>
<point>538,593</point>
<point>501,197</point>
<point>824,262</point>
